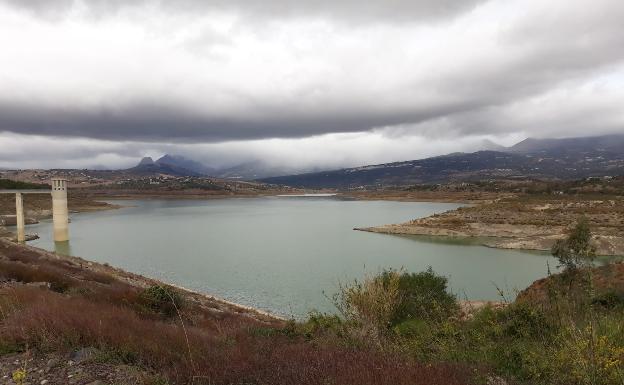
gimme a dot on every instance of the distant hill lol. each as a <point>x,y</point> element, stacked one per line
<point>570,158</point>
<point>186,164</point>
<point>146,161</point>
<point>257,170</point>
<point>7,184</point>
<point>488,145</point>
<point>606,143</point>
<point>180,166</point>
<point>171,165</point>
<point>566,158</point>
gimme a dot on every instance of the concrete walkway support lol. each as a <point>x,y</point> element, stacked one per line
<point>60,215</point>
<point>19,217</point>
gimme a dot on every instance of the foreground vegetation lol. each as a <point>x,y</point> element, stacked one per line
<point>60,306</point>
<point>392,328</point>
<point>570,331</point>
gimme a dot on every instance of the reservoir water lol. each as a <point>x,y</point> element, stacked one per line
<point>284,254</point>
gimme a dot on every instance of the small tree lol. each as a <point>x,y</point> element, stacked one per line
<point>575,251</point>
<point>371,303</point>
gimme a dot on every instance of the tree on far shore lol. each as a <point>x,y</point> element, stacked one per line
<point>575,251</point>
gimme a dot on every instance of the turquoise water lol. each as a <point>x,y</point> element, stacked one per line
<point>284,254</point>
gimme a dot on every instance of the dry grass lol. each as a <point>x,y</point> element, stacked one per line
<point>229,354</point>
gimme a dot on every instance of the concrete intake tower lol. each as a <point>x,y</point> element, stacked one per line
<point>60,215</point>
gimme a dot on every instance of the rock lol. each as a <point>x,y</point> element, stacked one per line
<point>43,382</point>
<point>496,380</point>
<point>31,237</point>
<point>83,354</point>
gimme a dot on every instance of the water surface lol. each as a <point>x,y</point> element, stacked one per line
<point>281,253</point>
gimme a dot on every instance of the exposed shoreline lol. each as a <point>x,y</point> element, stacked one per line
<point>141,281</point>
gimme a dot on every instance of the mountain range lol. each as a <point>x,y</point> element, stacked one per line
<point>171,165</point>
<point>180,166</point>
<point>568,158</point>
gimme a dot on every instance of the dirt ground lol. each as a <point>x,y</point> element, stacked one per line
<point>82,367</point>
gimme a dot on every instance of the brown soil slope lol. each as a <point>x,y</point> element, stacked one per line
<point>604,279</point>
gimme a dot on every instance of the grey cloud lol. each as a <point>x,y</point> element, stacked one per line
<point>483,95</point>
<point>345,10</point>
<point>163,122</point>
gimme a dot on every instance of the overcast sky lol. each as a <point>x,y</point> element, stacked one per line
<point>101,83</point>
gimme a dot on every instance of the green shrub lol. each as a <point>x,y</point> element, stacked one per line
<point>423,296</point>
<point>412,328</point>
<point>392,302</point>
<point>161,299</point>
<point>524,321</point>
<point>590,355</point>
<point>7,347</point>
<point>117,355</point>
<point>369,306</point>
<point>321,323</point>
<point>609,300</point>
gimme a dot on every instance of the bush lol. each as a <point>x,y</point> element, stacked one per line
<point>412,328</point>
<point>588,355</point>
<point>609,300</point>
<point>394,301</point>
<point>321,323</point>
<point>524,321</point>
<point>161,299</point>
<point>370,305</point>
<point>423,296</point>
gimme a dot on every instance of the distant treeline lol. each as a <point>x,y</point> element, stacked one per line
<point>7,184</point>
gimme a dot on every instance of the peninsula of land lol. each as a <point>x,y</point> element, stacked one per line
<point>531,222</point>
